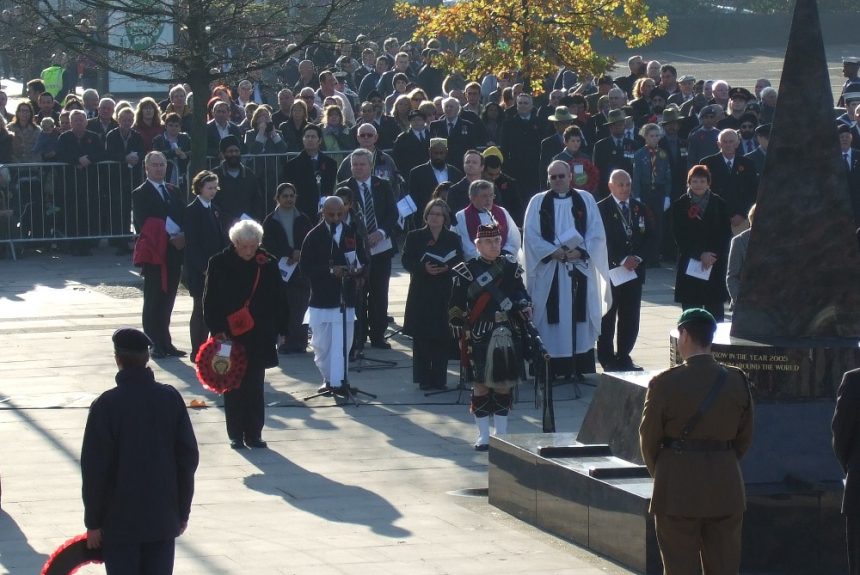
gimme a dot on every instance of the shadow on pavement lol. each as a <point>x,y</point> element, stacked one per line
<point>321,496</point>
<point>16,554</point>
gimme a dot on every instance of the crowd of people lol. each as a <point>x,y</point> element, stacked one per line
<point>513,212</point>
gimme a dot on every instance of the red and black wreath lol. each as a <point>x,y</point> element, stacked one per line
<point>71,556</point>
<point>221,373</point>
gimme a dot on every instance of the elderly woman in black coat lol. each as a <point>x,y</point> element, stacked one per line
<point>702,229</point>
<point>244,274</point>
<point>204,237</point>
<point>429,253</point>
<point>284,231</point>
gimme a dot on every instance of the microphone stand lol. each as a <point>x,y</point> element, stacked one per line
<point>345,390</point>
<point>575,377</point>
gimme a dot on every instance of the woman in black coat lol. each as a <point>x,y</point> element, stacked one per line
<point>204,237</point>
<point>284,231</point>
<point>702,232</point>
<point>230,282</point>
<point>429,254</point>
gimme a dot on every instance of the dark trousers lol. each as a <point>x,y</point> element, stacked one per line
<point>377,297</point>
<point>430,361</point>
<point>294,299</point>
<point>715,308</point>
<point>852,535</point>
<point>687,542</point>
<point>626,304</point>
<point>197,326</point>
<point>244,408</point>
<point>157,303</point>
<point>152,558</point>
<point>654,201</point>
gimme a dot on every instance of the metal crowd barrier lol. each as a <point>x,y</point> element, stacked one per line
<point>56,202</point>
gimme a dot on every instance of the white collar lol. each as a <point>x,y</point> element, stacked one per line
<point>365,182</point>
<point>206,203</point>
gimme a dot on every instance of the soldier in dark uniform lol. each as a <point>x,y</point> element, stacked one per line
<point>138,460</point>
<point>699,498</point>
<point>486,302</point>
<point>613,153</point>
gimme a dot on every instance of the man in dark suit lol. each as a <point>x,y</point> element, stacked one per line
<point>157,210</point>
<point>676,148</point>
<point>637,70</point>
<point>240,189</point>
<point>627,222</point>
<point>312,172</point>
<point>375,202</point>
<point>698,522</point>
<point>521,137</point>
<point>220,127</point>
<point>460,134</point>
<point>846,424</point>
<point>385,125</point>
<point>851,159</point>
<point>411,146</point>
<point>424,178</point>
<point>138,441</point>
<point>614,152</point>
<point>506,187</point>
<point>429,77</point>
<point>733,178</point>
<point>757,156</point>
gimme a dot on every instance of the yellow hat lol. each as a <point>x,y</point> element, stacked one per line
<point>494,151</point>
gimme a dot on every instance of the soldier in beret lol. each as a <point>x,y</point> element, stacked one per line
<point>138,461</point>
<point>699,498</point>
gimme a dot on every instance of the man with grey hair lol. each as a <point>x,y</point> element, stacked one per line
<point>157,210</point>
<point>104,121</point>
<point>383,164</point>
<point>733,178</point>
<point>567,274</point>
<point>482,211</point>
<point>461,134</point>
<point>375,204</point>
<point>90,99</point>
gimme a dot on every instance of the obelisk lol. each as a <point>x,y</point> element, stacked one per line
<point>801,276</point>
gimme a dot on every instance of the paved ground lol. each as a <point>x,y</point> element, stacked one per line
<point>342,490</point>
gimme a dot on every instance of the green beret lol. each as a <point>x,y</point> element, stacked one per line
<point>130,340</point>
<point>697,315</point>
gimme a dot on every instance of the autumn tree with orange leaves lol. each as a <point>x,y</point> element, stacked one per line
<point>533,36</point>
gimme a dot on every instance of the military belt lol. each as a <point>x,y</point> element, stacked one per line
<point>696,444</point>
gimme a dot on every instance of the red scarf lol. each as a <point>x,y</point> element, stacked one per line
<point>473,220</point>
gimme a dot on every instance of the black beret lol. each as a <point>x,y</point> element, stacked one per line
<point>228,141</point>
<point>697,315</point>
<point>763,130</point>
<point>843,128</point>
<point>130,340</point>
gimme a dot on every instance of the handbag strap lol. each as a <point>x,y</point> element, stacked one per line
<point>253,289</point>
<point>706,403</point>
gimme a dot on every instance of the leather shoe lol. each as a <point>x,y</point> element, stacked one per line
<point>173,352</point>
<point>626,364</point>
<point>325,388</point>
<point>380,344</point>
<point>482,447</point>
<point>157,353</point>
<point>236,444</point>
<point>256,443</point>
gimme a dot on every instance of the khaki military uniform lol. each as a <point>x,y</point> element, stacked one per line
<point>699,497</point>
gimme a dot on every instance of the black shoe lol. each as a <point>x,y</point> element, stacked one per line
<point>482,447</point>
<point>236,444</point>
<point>389,319</point>
<point>380,344</point>
<point>626,364</point>
<point>325,388</point>
<point>256,443</point>
<point>157,353</point>
<point>173,352</point>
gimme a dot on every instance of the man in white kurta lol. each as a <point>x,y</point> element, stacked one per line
<point>550,233</point>
<point>481,211</point>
